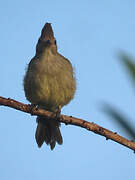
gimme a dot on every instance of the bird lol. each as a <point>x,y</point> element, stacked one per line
<point>49,83</point>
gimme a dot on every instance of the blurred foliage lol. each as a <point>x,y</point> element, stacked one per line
<point>129,63</point>
<point>118,117</point>
<point>121,119</point>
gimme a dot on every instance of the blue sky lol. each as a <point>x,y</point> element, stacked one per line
<point>90,34</point>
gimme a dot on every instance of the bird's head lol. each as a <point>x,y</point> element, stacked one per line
<point>46,40</point>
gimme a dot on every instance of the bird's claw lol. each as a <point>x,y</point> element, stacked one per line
<point>31,107</point>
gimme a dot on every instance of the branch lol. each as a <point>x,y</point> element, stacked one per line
<point>68,120</point>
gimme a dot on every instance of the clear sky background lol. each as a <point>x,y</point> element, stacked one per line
<point>90,34</point>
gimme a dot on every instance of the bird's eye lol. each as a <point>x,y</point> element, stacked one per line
<point>48,41</point>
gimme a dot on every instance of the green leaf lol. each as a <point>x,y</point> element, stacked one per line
<point>129,64</point>
<point>120,119</point>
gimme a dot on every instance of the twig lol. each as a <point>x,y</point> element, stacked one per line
<point>69,120</point>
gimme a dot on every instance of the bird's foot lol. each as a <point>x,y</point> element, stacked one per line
<point>31,107</point>
<point>58,112</point>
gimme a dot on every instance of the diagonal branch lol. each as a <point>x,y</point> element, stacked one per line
<point>68,120</point>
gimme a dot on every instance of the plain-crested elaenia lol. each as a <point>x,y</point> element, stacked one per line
<point>50,84</point>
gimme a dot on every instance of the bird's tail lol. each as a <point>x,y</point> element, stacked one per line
<point>48,131</point>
